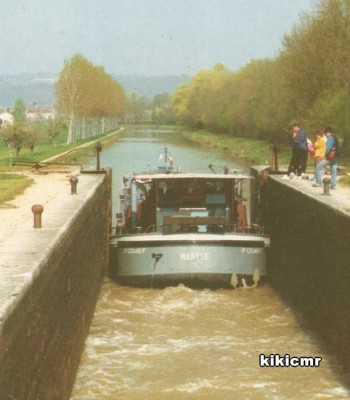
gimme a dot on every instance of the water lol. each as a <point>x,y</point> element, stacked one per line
<point>139,151</point>
<point>195,344</point>
<point>198,344</point>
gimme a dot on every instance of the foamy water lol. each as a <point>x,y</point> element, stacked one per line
<point>199,344</point>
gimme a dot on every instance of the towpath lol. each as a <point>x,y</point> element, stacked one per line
<point>338,198</point>
<point>44,188</point>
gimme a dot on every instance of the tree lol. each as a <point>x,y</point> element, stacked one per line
<point>136,107</point>
<point>316,57</point>
<point>163,112</point>
<point>19,112</point>
<point>53,128</point>
<point>13,138</point>
<point>19,134</point>
<point>84,91</point>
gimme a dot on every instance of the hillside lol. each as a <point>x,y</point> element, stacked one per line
<point>39,88</point>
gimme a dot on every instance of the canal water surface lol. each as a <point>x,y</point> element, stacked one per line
<point>181,343</point>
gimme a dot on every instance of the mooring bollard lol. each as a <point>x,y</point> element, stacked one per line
<point>98,151</point>
<point>326,183</point>
<point>37,210</point>
<point>73,184</point>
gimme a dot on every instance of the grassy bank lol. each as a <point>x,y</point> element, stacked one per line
<point>247,151</point>
<point>44,150</point>
<point>13,184</point>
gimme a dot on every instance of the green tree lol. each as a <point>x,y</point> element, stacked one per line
<point>163,112</point>
<point>137,106</point>
<point>19,112</point>
<point>315,61</point>
<point>53,129</point>
<point>86,91</point>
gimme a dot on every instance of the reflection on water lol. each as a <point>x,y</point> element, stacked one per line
<point>193,344</point>
<point>199,344</point>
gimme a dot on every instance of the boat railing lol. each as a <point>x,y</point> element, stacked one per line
<point>189,220</point>
<point>176,224</point>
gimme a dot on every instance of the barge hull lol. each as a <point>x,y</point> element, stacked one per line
<point>199,262</point>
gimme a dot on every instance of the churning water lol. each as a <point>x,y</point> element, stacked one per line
<point>180,343</point>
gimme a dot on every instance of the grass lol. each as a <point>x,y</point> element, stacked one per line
<point>248,151</point>
<point>12,185</point>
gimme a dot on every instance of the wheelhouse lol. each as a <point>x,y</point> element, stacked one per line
<point>178,203</point>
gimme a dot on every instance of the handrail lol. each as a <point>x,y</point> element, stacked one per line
<point>190,220</point>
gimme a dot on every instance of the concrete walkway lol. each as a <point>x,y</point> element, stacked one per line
<point>338,198</point>
<point>23,248</point>
<point>44,188</point>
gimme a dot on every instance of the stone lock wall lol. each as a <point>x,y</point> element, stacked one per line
<point>43,332</point>
<point>310,259</point>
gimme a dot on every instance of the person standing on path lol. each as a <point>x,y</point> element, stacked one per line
<point>297,164</point>
<point>320,147</point>
<point>331,156</point>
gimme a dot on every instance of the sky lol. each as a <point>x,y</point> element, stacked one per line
<point>146,37</point>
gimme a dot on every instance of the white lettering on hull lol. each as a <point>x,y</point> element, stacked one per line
<point>194,256</point>
<point>251,250</point>
<point>134,251</point>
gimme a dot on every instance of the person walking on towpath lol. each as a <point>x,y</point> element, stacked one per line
<point>332,154</point>
<point>298,161</point>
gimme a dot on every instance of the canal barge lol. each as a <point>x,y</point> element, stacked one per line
<point>186,228</point>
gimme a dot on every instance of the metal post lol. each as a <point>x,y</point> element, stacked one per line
<point>274,157</point>
<point>166,159</point>
<point>119,223</point>
<point>326,185</point>
<point>73,183</point>
<point>98,151</point>
<point>37,210</point>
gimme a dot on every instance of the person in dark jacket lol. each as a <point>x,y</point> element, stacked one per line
<point>332,154</point>
<point>297,164</point>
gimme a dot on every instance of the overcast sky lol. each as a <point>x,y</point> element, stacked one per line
<point>149,37</point>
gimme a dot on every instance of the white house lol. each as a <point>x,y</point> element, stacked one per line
<point>6,118</point>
